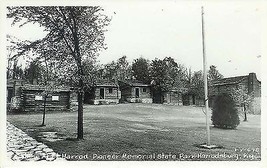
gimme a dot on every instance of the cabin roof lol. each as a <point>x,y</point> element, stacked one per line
<point>134,83</point>
<point>105,83</point>
<point>228,81</point>
<point>42,88</point>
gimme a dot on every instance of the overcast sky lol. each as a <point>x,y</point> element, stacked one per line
<point>156,30</point>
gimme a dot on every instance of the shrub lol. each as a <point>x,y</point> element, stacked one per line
<point>224,112</point>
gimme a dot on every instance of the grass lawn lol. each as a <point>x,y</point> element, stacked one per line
<point>143,132</point>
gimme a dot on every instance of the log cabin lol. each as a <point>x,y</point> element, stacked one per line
<point>134,91</point>
<point>103,92</point>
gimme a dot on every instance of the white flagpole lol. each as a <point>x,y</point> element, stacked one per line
<point>205,79</point>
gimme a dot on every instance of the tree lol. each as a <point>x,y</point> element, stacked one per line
<point>197,84</point>
<point>73,34</point>
<point>122,68</point>
<point>140,70</point>
<point>167,74</point>
<point>35,71</point>
<point>188,77</point>
<point>92,71</point>
<point>117,70</point>
<point>214,74</point>
<point>111,71</point>
<point>158,72</point>
<point>224,112</point>
<point>242,99</point>
<point>14,68</point>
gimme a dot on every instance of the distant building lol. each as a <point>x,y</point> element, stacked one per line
<point>190,98</point>
<point>104,92</point>
<point>174,96</point>
<point>248,83</point>
<point>135,91</point>
<point>13,88</point>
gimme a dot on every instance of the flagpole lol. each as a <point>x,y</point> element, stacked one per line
<point>205,79</point>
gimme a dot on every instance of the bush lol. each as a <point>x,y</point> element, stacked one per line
<point>224,112</point>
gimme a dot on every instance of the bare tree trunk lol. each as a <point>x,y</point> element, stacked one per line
<point>43,123</point>
<point>80,110</point>
<point>45,96</point>
<point>245,111</point>
<point>77,57</point>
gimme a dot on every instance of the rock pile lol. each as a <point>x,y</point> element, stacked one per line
<point>21,147</point>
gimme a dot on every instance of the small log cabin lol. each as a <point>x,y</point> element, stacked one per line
<point>248,83</point>
<point>31,98</point>
<point>135,91</point>
<point>104,92</point>
<point>174,96</point>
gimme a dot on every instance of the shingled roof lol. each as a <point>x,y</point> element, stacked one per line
<point>229,81</point>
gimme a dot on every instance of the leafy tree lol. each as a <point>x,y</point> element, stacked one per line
<point>122,68</point>
<point>197,84</point>
<point>14,69</point>
<point>196,80</point>
<point>73,34</point>
<point>92,71</point>
<point>140,70</point>
<point>188,77</point>
<point>167,74</point>
<point>117,70</point>
<point>35,71</point>
<point>15,57</point>
<point>242,99</point>
<point>18,72</point>
<point>214,74</point>
<point>159,75</point>
<point>224,112</point>
<point>111,71</point>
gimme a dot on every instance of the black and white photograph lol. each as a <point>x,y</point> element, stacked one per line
<point>163,81</point>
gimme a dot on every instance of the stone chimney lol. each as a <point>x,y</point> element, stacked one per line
<point>251,81</point>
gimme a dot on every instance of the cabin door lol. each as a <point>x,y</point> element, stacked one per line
<point>137,92</point>
<point>102,93</point>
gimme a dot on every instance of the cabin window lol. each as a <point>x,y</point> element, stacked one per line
<point>55,98</point>
<point>110,90</point>
<point>144,89</point>
<point>38,97</point>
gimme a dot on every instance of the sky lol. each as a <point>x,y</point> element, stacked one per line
<point>233,34</point>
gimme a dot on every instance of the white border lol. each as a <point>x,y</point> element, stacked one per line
<point>129,164</point>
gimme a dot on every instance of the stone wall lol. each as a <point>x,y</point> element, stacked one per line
<point>139,100</point>
<point>254,85</point>
<point>216,90</point>
<point>255,106</point>
<point>106,101</point>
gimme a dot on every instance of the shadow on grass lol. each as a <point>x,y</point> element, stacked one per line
<point>73,139</point>
<point>201,146</point>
